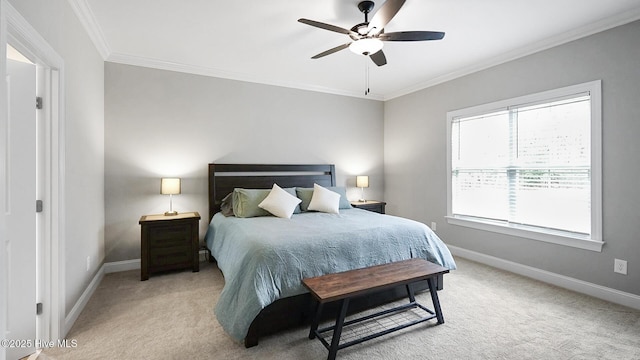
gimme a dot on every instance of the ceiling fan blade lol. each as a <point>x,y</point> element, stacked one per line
<point>382,17</point>
<point>331,51</point>
<point>326,26</point>
<point>411,36</point>
<point>379,58</point>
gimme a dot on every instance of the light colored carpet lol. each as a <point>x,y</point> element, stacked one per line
<point>489,314</point>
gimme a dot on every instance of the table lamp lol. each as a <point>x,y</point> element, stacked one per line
<point>170,186</point>
<point>362,181</point>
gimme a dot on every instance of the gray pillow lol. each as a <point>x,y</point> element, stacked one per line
<point>305,195</point>
<point>226,206</point>
<point>246,201</point>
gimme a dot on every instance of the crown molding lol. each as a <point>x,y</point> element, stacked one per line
<point>224,74</point>
<point>575,34</point>
<point>28,41</point>
<point>88,20</point>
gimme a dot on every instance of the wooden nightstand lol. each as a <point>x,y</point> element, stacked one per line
<point>371,205</point>
<point>169,242</point>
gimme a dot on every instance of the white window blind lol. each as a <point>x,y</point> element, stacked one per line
<point>525,164</point>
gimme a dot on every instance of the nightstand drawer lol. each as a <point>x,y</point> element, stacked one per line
<point>177,255</point>
<point>170,236</point>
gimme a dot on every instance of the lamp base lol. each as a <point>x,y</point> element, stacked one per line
<point>362,195</point>
<point>171,213</point>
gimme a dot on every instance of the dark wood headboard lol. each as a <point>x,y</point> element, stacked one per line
<point>223,178</point>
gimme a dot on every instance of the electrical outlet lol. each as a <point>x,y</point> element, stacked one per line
<point>88,263</point>
<point>433,225</point>
<point>620,266</point>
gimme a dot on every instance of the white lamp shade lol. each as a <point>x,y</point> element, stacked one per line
<point>170,186</point>
<point>362,181</point>
<point>366,46</point>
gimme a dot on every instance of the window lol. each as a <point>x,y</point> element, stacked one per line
<point>529,166</point>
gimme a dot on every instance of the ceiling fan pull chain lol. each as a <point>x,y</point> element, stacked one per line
<point>366,76</point>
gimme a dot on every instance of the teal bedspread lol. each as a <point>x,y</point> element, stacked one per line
<point>263,259</point>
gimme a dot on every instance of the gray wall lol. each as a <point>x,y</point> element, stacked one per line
<point>162,123</point>
<point>83,135</point>
<point>415,152</point>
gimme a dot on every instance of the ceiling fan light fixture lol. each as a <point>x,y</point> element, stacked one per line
<point>366,46</point>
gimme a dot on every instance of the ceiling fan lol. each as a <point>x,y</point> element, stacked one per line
<point>367,37</point>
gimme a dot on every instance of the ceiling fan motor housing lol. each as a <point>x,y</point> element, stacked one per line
<point>359,30</point>
<point>362,28</point>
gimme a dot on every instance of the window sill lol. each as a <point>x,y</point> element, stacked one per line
<point>550,236</point>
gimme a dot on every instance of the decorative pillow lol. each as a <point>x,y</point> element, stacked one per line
<point>226,206</point>
<point>305,195</point>
<point>246,201</point>
<point>324,200</point>
<point>280,203</point>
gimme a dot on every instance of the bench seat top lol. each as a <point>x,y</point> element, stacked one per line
<point>347,284</point>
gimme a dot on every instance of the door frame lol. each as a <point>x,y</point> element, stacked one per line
<point>16,31</point>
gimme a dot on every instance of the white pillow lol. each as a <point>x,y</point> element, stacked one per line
<point>324,200</point>
<point>279,202</point>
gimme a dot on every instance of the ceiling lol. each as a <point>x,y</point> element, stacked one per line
<point>261,41</point>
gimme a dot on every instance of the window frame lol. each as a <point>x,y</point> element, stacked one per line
<point>592,241</point>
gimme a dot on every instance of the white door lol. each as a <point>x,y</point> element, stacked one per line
<point>19,207</point>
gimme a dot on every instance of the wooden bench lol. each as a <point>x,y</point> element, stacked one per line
<point>346,285</point>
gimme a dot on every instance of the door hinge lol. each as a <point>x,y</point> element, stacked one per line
<point>39,206</point>
<point>38,308</point>
<point>38,102</point>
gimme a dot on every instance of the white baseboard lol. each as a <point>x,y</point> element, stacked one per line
<point>71,318</point>
<point>134,264</point>
<point>598,291</point>
<point>118,266</point>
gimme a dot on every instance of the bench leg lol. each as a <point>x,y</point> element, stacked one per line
<point>436,302</point>
<point>412,297</point>
<point>316,321</point>
<point>337,331</point>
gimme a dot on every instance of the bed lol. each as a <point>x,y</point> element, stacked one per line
<point>264,258</point>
